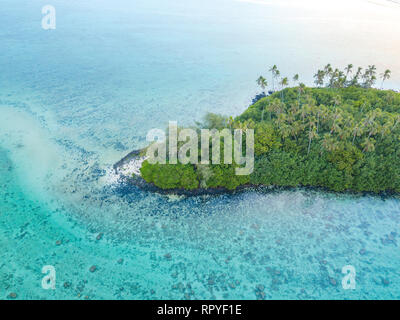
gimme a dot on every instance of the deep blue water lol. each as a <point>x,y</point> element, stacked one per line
<point>74,100</point>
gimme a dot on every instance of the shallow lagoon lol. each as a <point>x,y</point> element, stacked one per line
<point>76,100</point>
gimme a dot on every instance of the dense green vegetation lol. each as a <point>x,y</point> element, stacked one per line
<point>170,176</point>
<point>342,135</point>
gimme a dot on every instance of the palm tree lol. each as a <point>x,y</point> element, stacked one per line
<point>231,121</point>
<point>372,69</point>
<point>325,115</point>
<point>348,70</point>
<point>356,77</point>
<point>278,106</point>
<point>291,115</point>
<point>328,69</point>
<point>296,128</point>
<point>385,76</point>
<point>311,135</point>
<point>262,114</point>
<point>303,113</point>
<point>369,145</point>
<point>284,83</point>
<point>335,127</point>
<point>329,143</point>
<point>319,78</point>
<point>337,118</point>
<point>281,120</point>
<point>262,82</point>
<point>336,101</point>
<point>365,77</point>
<point>335,78</point>
<point>285,130</point>
<point>372,81</point>
<point>275,72</point>
<point>370,123</point>
<point>341,81</point>
<point>397,121</point>
<point>369,76</point>
<point>312,132</point>
<point>275,106</point>
<point>385,129</point>
<point>358,130</point>
<point>331,78</point>
<point>320,112</point>
<point>302,89</point>
<point>296,78</point>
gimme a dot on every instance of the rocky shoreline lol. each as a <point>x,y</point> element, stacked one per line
<point>128,170</point>
<point>134,155</point>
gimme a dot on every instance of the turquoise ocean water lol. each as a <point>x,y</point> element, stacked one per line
<point>76,99</point>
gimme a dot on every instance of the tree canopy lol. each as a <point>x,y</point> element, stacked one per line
<point>342,135</point>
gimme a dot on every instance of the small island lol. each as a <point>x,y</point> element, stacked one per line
<point>342,135</point>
